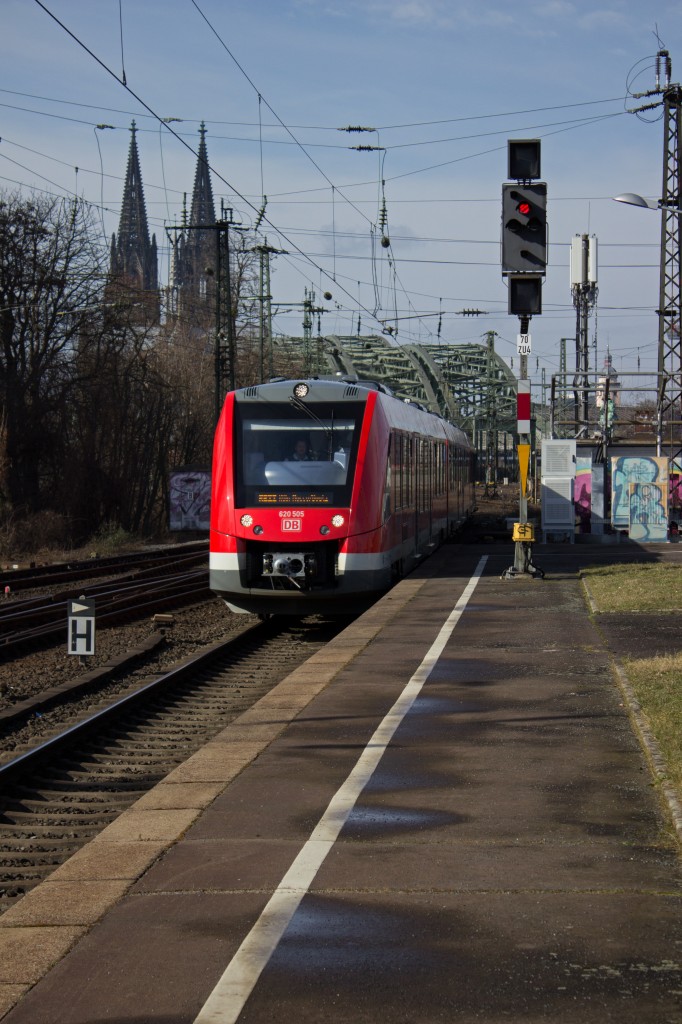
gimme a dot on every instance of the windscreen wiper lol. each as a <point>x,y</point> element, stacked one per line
<point>302,407</point>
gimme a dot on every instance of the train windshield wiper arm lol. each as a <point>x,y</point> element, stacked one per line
<point>302,407</point>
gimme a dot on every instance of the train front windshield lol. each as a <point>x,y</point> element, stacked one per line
<point>287,458</point>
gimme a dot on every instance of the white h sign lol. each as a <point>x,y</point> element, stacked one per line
<point>81,638</point>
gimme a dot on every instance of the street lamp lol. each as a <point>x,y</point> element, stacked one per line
<point>635,200</point>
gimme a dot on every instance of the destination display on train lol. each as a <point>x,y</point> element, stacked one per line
<point>300,499</point>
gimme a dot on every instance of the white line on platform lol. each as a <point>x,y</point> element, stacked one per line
<point>227,999</point>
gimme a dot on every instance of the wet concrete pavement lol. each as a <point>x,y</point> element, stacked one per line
<point>509,858</point>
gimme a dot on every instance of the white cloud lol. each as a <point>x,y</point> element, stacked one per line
<point>416,10</point>
<point>600,20</point>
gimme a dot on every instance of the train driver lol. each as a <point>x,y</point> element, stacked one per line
<point>301,452</point>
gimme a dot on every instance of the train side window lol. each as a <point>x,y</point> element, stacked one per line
<point>440,468</point>
<point>398,462</point>
<point>386,512</point>
<point>410,476</point>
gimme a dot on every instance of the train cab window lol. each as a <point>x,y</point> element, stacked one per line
<point>285,458</point>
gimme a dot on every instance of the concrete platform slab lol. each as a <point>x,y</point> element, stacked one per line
<point>174,950</point>
<point>221,865</point>
<point>63,902</point>
<point>408,957</point>
<point>508,860</point>
<point>102,859</point>
<point>27,954</point>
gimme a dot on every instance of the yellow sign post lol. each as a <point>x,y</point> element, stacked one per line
<point>524,462</point>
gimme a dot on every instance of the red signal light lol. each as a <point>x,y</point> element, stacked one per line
<point>524,207</point>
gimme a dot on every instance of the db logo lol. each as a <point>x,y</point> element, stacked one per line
<point>291,525</point>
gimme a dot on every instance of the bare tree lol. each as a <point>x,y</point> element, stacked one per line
<point>51,276</point>
<point>117,426</point>
<point>98,403</point>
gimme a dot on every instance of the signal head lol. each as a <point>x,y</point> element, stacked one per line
<point>524,228</point>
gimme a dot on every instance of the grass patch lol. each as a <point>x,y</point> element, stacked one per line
<point>657,683</point>
<point>635,588</point>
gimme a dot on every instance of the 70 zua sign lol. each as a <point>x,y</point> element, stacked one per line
<point>523,344</point>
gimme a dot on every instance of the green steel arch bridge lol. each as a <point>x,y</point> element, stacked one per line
<point>468,384</point>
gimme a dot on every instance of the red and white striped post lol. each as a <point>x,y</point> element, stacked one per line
<point>523,429</point>
<point>523,408</point>
<point>523,413</point>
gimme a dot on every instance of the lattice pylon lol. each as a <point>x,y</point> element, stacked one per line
<point>670,296</point>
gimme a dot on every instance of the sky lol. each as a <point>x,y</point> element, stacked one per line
<point>442,84</point>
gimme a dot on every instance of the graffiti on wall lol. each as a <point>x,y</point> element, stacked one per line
<point>633,469</point>
<point>648,512</point>
<point>676,485</point>
<point>190,500</point>
<point>583,494</point>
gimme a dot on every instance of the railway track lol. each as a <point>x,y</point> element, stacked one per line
<point>36,577</point>
<point>58,795</point>
<point>27,622</point>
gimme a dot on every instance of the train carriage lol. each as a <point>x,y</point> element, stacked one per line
<point>326,491</point>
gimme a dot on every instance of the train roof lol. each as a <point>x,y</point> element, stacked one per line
<point>323,389</point>
<point>338,389</point>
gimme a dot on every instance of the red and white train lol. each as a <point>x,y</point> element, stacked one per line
<point>327,491</point>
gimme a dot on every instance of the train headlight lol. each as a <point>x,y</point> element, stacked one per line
<point>324,530</point>
<point>258,530</point>
<point>338,520</point>
<point>301,390</point>
<point>246,520</point>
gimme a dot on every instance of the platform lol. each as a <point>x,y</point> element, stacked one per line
<point>445,815</point>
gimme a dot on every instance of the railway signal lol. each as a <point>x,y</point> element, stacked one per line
<point>81,634</point>
<point>523,159</point>
<point>524,264</point>
<point>524,295</point>
<point>524,228</point>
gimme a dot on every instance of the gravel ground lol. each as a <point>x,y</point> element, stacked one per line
<point>193,627</point>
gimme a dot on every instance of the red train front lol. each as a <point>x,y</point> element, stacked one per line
<point>324,492</point>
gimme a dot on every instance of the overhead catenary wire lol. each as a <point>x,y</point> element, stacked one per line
<point>335,225</point>
<point>120,22</point>
<point>314,127</point>
<point>259,95</point>
<point>146,106</point>
<point>272,111</point>
<point>101,127</point>
<point>562,125</point>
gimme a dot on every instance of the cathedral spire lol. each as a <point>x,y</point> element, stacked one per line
<point>203,209</point>
<point>197,257</point>
<point>133,255</point>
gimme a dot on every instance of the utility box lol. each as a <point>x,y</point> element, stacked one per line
<point>558,476</point>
